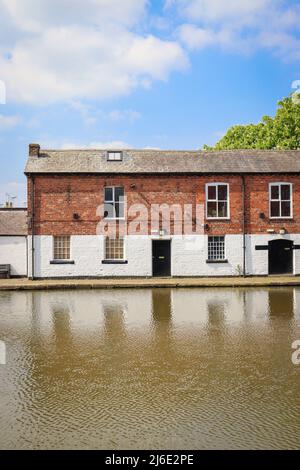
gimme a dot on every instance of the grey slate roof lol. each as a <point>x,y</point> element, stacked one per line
<point>166,161</point>
<point>13,222</point>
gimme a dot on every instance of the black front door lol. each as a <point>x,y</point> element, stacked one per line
<point>161,257</point>
<point>280,257</point>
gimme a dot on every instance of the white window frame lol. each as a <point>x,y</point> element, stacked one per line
<point>111,154</point>
<point>114,259</point>
<point>281,183</point>
<point>53,248</point>
<point>113,202</point>
<point>219,259</point>
<point>216,200</point>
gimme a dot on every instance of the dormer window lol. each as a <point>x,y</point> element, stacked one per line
<point>113,156</point>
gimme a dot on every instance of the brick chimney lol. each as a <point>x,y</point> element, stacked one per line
<point>34,150</point>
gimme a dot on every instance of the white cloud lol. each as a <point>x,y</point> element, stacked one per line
<point>128,115</point>
<point>243,26</point>
<point>220,10</point>
<point>196,38</point>
<point>115,144</point>
<point>7,122</point>
<point>35,15</point>
<point>87,112</point>
<point>90,50</point>
<point>91,114</point>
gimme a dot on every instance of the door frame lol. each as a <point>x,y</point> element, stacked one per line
<point>153,240</point>
<point>291,245</point>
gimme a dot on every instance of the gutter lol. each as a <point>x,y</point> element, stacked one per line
<point>244,225</point>
<point>32,227</point>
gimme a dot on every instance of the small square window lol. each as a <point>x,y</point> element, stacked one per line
<point>61,248</point>
<point>216,248</point>
<point>114,248</point>
<point>114,156</point>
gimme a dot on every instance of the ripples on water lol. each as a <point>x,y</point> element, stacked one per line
<point>121,369</point>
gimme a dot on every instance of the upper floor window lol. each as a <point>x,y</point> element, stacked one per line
<point>217,200</point>
<point>114,202</point>
<point>280,200</point>
<point>113,156</point>
<point>61,248</point>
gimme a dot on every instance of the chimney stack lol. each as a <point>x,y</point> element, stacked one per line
<point>34,150</point>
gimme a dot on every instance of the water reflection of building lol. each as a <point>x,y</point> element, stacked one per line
<point>281,302</point>
<point>216,312</point>
<point>162,317</point>
<point>161,305</point>
<point>114,320</point>
<point>62,327</point>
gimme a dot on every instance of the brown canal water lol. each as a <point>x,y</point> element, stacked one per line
<point>150,369</point>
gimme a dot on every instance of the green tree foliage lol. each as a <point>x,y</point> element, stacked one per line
<point>280,132</point>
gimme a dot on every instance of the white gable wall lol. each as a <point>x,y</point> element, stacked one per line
<point>13,251</point>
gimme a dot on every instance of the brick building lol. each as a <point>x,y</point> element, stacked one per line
<point>147,212</point>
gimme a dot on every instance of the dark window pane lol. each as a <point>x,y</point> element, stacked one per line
<point>275,209</point>
<point>119,193</point>
<point>285,209</point>
<point>119,209</point>
<point>285,192</point>
<point>108,194</point>
<point>109,211</point>
<point>222,209</point>
<point>211,209</point>
<point>211,192</point>
<point>222,192</point>
<point>274,192</point>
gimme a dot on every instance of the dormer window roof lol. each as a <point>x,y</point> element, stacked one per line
<point>114,156</point>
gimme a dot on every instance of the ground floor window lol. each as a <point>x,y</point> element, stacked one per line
<point>114,248</point>
<point>61,248</point>
<point>216,248</point>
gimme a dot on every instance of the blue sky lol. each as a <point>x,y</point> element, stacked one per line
<point>135,73</point>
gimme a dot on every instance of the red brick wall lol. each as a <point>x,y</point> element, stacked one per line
<point>257,201</point>
<point>57,198</point>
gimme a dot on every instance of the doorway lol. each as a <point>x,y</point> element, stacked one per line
<point>161,258</point>
<point>280,257</point>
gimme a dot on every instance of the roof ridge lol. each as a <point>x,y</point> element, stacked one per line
<point>168,150</point>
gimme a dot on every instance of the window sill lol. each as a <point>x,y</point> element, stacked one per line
<point>111,219</point>
<point>62,261</point>
<point>216,261</point>
<point>114,261</point>
<point>211,219</point>
<point>280,218</point>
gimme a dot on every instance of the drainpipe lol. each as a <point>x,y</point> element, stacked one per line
<point>32,227</point>
<point>244,225</point>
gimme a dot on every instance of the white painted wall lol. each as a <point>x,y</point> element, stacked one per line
<point>13,252</point>
<point>188,257</point>
<point>257,260</point>
<point>87,251</point>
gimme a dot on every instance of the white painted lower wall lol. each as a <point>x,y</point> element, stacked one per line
<point>13,251</point>
<point>257,262</point>
<point>188,257</point>
<point>87,252</point>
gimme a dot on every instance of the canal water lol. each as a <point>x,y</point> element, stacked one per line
<point>150,369</point>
